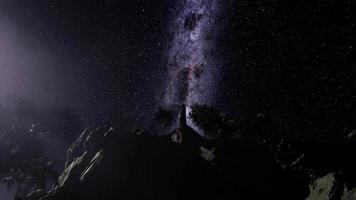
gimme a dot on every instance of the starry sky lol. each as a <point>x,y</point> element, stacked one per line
<point>291,61</point>
<point>99,57</point>
<point>110,60</point>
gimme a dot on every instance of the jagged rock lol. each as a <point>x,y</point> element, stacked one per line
<point>71,172</point>
<point>325,188</point>
<point>207,154</point>
<point>329,187</point>
<point>35,195</point>
<point>92,165</point>
<point>113,165</point>
<point>76,149</point>
<point>352,135</point>
<point>107,163</point>
<point>83,155</point>
<point>349,194</point>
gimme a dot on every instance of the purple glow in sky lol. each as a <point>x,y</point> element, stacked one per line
<point>26,66</point>
<point>191,66</point>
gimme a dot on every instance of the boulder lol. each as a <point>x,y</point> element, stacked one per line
<point>330,187</point>
<point>324,188</point>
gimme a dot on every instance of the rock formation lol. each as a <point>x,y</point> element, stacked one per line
<point>107,164</point>
<point>330,187</point>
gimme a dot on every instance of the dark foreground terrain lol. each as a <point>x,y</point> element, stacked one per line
<point>105,163</point>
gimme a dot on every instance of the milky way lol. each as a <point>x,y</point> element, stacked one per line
<point>191,66</point>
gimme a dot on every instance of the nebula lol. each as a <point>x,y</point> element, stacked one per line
<point>191,66</point>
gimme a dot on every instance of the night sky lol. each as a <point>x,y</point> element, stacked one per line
<point>110,60</point>
<point>119,61</point>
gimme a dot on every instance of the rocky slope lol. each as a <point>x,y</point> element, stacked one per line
<point>107,163</point>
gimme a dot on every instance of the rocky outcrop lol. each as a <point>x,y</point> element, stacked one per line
<point>349,194</point>
<point>35,195</point>
<point>330,187</point>
<point>108,164</point>
<point>324,188</point>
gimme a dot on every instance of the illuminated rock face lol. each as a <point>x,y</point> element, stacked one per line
<point>329,187</point>
<point>107,164</point>
<point>323,188</point>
